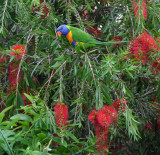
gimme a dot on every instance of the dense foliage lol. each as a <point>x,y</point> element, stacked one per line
<point>105,100</point>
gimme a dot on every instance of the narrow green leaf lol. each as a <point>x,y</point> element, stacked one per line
<point>2,114</point>
<point>72,136</point>
<point>30,98</point>
<point>21,117</point>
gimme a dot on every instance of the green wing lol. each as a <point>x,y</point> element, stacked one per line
<point>80,36</point>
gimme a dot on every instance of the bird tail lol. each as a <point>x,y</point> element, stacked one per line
<point>105,43</point>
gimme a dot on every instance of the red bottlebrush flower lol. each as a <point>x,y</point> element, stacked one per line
<point>104,118</point>
<point>101,133</point>
<point>119,104</point>
<point>102,1</point>
<point>18,51</point>
<point>94,31</point>
<point>84,107</point>
<point>13,73</point>
<point>55,143</point>
<point>81,64</point>
<point>92,116</point>
<point>112,111</point>
<point>154,99</point>
<point>67,65</point>
<point>157,39</point>
<point>85,12</point>
<point>2,59</point>
<point>32,8</point>
<point>61,113</point>
<point>148,126</point>
<point>131,32</point>
<point>157,107</point>
<point>155,67</point>
<point>45,10</point>
<point>141,47</point>
<point>41,7</point>
<point>117,39</point>
<point>140,8</point>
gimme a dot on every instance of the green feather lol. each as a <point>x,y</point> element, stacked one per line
<point>85,40</point>
<point>80,36</point>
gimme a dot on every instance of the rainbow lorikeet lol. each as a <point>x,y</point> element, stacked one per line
<point>79,38</point>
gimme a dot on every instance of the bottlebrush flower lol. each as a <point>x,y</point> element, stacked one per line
<point>104,118</point>
<point>61,113</point>
<point>155,66</point>
<point>119,104</point>
<point>45,10</point>
<point>112,111</point>
<point>117,39</point>
<point>101,119</point>
<point>157,39</point>
<point>41,7</point>
<point>92,116</point>
<point>94,31</point>
<point>3,60</point>
<point>101,133</point>
<point>81,64</point>
<point>18,51</point>
<point>102,1</point>
<point>148,126</point>
<point>13,73</point>
<point>141,47</point>
<point>157,108</point>
<point>139,7</point>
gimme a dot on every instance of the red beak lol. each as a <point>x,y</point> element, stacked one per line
<point>59,33</point>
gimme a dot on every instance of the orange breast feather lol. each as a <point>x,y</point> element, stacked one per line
<point>69,36</point>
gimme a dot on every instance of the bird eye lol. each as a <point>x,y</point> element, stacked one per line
<point>61,28</point>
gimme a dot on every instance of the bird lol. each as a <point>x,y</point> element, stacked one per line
<point>79,38</point>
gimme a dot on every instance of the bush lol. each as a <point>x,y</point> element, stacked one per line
<point>103,100</point>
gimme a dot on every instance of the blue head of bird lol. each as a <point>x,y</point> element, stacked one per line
<point>63,29</point>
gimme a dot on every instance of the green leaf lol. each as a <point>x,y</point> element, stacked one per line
<point>41,136</point>
<point>21,117</point>
<point>56,65</point>
<point>30,98</point>
<point>2,114</point>
<point>64,143</point>
<point>129,93</point>
<point>72,136</point>
<point>4,136</point>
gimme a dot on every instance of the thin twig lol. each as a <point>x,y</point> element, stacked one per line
<point>19,69</point>
<point>48,81</point>
<point>38,65</point>
<point>60,91</point>
<point>4,14</point>
<point>30,37</point>
<point>91,67</point>
<point>153,90</point>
